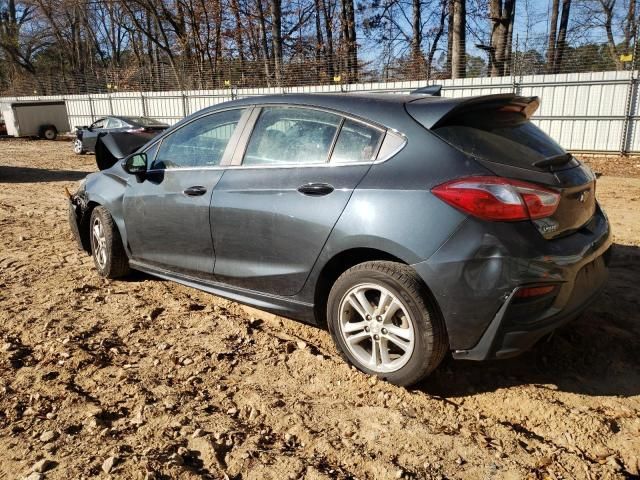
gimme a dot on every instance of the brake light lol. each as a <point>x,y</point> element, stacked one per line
<point>499,199</point>
<point>529,292</point>
<point>137,130</point>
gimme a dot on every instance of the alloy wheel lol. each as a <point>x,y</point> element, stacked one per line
<point>77,146</point>
<point>99,243</point>
<point>376,328</point>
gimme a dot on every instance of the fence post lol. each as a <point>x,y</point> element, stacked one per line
<point>110,105</point>
<point>93,117</point>
<point>185,110</point>
<point>630,106</point>
<point>144,104</point>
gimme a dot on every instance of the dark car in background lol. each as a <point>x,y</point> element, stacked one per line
<point>129,133</point>
<point>410,225</point>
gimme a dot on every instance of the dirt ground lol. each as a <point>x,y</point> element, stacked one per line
<point>143,378</point>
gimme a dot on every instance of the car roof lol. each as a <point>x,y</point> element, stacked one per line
<point>379,107</point>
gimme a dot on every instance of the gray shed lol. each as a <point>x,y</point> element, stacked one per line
<point>35,118</point>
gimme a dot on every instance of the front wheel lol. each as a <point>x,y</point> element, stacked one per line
<point>78,148</point>
<point>384,322</point>
<point>106,245</point>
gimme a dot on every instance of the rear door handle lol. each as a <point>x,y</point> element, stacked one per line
<point>195,191</point>
<point>316,189</point>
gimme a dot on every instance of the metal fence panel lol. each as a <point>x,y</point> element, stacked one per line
<point>593,111</point>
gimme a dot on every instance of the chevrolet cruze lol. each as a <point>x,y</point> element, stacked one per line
<point>410,225</point>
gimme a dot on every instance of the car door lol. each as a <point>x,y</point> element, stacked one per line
<point>90,135</point>
<point>167,211</point>
<point>273,211</point>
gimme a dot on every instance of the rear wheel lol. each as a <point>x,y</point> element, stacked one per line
<point>383,321</point>
<point>106,245</point>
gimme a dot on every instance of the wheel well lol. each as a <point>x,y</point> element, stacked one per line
<point>336,267</point>
<point>85,224</point>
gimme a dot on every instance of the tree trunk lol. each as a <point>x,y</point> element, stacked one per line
<point>630,26</point>
<point>276,39</point>
<point>436,39</point>
<point>264,43</point>
<point>320,48</point>
<point>417,58</point>
<point>347,16</point>
<point>450,9</point>
<point>502,16</point>
<point>238,37</point>
<point>328,28</point>
<point>551,41</point>
<point>458,47</point>
<point>562,35</point>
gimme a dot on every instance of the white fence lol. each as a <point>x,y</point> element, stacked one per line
<point>584,112</point>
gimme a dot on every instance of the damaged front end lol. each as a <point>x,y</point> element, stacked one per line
<point>79,217</point>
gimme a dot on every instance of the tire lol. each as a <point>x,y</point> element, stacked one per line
<point>78,147</point>
<point>48,132</point>
<point>416,323</point>
<point>107,250</point>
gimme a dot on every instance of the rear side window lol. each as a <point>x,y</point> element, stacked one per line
<point>284,135</point>
<point>501,138</point>
<point>356,143</point>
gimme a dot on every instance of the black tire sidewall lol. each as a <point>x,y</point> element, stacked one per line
<point>420,318</point>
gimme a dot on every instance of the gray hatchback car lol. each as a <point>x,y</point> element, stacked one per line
<point>409,225</point>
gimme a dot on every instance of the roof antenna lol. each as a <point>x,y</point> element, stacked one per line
<point>431,90</point>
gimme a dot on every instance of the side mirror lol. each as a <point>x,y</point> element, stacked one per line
<point>136,164</point>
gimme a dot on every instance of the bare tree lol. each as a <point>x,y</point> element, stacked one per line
<point>458,39</point>
<point>501,14</point>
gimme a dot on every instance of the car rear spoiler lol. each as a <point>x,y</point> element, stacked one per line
<point>432,112</point>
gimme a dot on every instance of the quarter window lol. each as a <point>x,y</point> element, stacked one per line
<point>356,143</point>
<point>284,135</point>
<point>200,143</point>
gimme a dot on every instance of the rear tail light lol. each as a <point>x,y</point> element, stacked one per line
<point>499,199</point>
<point>530,292</point>
<point>138,130</point>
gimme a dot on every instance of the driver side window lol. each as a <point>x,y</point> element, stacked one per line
<point>200,143</point>
<point>99,124</point>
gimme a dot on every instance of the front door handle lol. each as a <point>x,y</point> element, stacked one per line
<point>195,191</point>
<point>316,189</point>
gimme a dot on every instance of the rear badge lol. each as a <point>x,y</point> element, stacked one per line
<point>546,226</point>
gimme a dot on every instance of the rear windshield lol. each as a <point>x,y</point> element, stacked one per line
<point>500,137</point>
<point>144,121</point>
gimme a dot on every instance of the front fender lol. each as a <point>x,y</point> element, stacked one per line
<point>107,188</point>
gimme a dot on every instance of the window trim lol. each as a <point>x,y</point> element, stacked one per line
<point>238,159</point>
<point>247,123</point>
<point>233,140</point>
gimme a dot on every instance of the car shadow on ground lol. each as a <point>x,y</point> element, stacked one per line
<point>10,174</point>
<point>597,354</point>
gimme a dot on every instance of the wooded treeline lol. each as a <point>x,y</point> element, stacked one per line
<point>79,46</point>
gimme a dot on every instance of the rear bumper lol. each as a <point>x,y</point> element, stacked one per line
<point>507,336</point>
<point>476,274</point>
